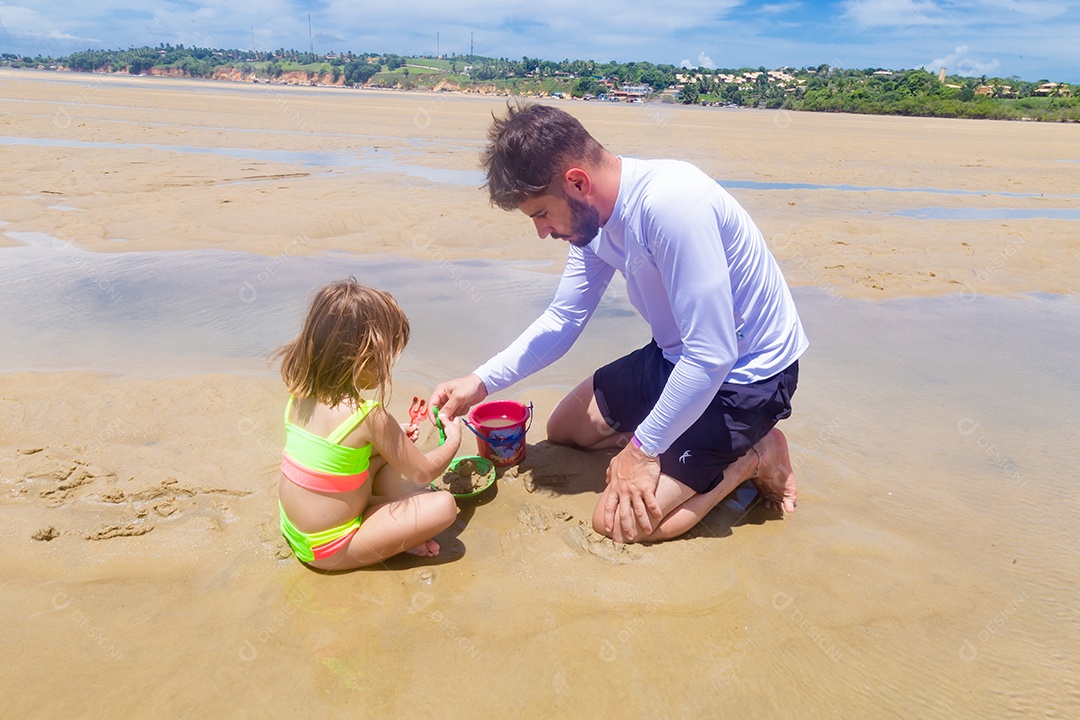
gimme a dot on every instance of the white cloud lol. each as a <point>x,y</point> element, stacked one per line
<point>703,60</point>
<point>57,35</point>
<point>777,8</point>
<point>23,22</point>
<point>951,13</point>
<point>559,23</point>
<point>1036,9</point>
<point>19,20</point>
<point>885,13</point>
<point>958,62</point>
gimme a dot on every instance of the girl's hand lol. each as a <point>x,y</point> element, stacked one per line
<point>411,431</point>
<point>452,428</point>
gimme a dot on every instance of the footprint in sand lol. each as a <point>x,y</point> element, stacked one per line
<point>535,518</point>
<point>582,537</point>
<point>511,542</point>
<point>532,519</point>
<point>542,484</point>
<point>541,519</point>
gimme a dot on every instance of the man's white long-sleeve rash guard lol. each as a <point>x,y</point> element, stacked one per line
<point>699,272</point>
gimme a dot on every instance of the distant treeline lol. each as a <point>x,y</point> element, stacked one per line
<point>204,62</point>
<point>917,92</point>
<point>823,88</point>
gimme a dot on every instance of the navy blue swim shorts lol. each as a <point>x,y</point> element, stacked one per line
<point>627,389</point>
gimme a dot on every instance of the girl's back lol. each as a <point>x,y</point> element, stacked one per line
<point>311,509</point>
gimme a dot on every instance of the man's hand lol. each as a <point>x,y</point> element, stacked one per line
<point>632,477</point>
<point>455,397</point>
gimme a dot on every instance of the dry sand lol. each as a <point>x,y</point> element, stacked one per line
<point>921,576</point>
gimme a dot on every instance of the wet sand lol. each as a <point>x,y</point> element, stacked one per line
<point>930,569</point>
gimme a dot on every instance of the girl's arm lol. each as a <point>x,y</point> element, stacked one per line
<point>392,443</point>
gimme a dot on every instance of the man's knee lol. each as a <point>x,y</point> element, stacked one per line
<point>617,535</point>
<point>616,531</point>
<point>558,430</point>
<point>580,431</point>
<point>565,425</point>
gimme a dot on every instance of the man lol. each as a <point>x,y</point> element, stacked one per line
<point>694,411</point>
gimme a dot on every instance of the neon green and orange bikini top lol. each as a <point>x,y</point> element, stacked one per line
<point>322,463</point>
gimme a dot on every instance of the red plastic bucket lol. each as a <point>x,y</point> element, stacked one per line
<point>500,427</point>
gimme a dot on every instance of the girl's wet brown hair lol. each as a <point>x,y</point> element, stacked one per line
<point>351,339</point>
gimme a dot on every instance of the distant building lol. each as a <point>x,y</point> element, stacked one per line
<point>941,76</point>
<point>1053,88</point>
<point>631,92</point>
<point>989,90</point>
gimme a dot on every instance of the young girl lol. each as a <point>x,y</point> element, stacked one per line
<point>353,488</point>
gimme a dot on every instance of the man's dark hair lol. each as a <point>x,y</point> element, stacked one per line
<point>531,147</point>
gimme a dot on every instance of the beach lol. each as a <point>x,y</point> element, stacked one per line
<point>161,237</point>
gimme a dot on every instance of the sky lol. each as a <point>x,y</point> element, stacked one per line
<point>1032,39</point>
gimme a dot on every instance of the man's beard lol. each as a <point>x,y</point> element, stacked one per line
<point>584,223</point>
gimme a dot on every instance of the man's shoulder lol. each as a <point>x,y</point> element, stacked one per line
<point>649,170</point>
<point>671,188</point>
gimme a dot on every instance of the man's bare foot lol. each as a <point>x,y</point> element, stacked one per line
<point>775,481</point>
<point>428,548</point>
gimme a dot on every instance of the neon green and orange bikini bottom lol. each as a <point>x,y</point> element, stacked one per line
<point>318,545</point>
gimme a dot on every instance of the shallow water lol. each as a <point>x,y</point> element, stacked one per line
<point>754,185</point>
<point>370,158</point>
<point>947,213</point>
<point>212,311</point>
<point>311,158</point>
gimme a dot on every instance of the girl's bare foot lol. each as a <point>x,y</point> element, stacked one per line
<point>775,481</point>
<point>428,548</point>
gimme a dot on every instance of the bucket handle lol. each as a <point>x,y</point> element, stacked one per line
<point>509,439</point>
